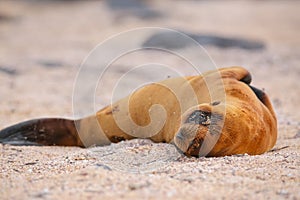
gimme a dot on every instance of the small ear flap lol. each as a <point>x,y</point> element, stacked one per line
<point>238,73</point>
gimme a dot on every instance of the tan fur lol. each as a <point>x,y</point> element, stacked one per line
<point>238,122</point>
<point>249,126</point>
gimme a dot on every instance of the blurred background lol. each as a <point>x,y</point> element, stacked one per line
<point>43,43</point>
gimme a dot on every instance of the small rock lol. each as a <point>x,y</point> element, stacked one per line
<point>282,193</point>
<point>42,193</point>
<point>50,63</point>
<point>31,163</point>
<point>135,186</point>
<point>8,70</point>
<point>103,166</point>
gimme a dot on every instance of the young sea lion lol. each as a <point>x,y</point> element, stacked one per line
<point>240,121</point>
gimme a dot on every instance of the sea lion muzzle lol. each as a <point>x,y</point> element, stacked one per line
<point>195,128</point>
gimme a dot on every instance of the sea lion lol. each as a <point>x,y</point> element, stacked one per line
<point>241,122</point>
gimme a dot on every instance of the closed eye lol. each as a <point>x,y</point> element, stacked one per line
<point>199,117</point>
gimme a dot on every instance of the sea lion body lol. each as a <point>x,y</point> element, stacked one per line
<point>237,119</point>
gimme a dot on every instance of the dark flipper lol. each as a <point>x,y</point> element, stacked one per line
<point>47,131</point>
<point>259,93</point>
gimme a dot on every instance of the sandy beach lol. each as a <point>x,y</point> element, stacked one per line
<point>44,43</point>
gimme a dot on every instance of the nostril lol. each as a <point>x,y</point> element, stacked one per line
<point>180,136</point>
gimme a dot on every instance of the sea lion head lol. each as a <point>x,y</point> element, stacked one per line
<point>200,129</point>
